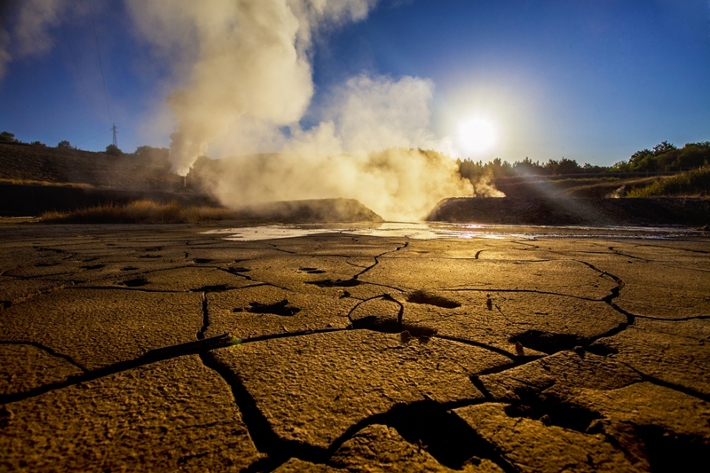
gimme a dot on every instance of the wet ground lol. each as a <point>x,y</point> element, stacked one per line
<point>170,348</point>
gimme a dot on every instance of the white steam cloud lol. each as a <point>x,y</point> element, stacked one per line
<point>246,76</point>
<point>245,81</point>
<point>29,35</point>
<point>251,70</point>
<point>5,56</point>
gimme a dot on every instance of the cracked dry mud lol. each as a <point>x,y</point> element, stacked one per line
<point>163,348</point>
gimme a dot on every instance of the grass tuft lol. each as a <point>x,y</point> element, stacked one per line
<point>140,211</point>
<point>691,183</point>
<point>32,182</point>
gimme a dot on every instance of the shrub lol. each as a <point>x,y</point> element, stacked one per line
<point>690,183</point>
<point>140,211</point>
<point>7,137</point>
<point>113,150</point>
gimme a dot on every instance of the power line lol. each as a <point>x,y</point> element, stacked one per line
<point>101,67</point>
<point>78,71</point>
<point>93,138</point>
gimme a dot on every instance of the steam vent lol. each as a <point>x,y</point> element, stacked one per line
<point>179,348</point>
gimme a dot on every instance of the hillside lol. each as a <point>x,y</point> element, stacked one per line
<point>41,164</point>
<point>36,179</point>
<point>573,211</point>
<point>596,187</point>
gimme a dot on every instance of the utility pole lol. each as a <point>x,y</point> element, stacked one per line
<point>115,132</point>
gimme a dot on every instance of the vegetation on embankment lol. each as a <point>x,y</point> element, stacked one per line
<point>663,158</point>
<point>147,168</point>
<point>146,212</point>
<point>566,177</point>
<point>140,211</point>
<point>35,178</point>
<point>31,182</point>
<point>691,183</point>
<point>18,200</point>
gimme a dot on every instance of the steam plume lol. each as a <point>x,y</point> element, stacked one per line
<point>251,69</point>
<point>245,76</point>
<point>243,71</point>
<point>483,186</point>
<point>30,33</point>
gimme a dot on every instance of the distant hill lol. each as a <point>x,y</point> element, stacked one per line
<point>36,179</point>
<point>561,187</point>
<point>20,163</point>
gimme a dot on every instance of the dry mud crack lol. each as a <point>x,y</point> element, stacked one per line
<point>169,349</point>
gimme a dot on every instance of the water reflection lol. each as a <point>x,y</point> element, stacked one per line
<point>436,230</point>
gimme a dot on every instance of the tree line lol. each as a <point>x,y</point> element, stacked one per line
<point>147,153</point>
<point>664,157</point>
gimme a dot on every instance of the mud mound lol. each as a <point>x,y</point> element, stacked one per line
<point>305,211</point>
<point>573,211</point>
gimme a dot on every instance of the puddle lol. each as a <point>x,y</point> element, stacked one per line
<point>436,230</point>
<point>271,232</point>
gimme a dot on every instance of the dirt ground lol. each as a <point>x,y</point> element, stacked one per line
<point>164,348</point>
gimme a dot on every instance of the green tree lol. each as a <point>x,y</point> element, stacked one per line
<point>64,144</point>
<point>621,166</point>
<point>113,150</point>
<point>638,159</point>
<point>7,137</point>
<point>662,148</point>
<point>153,155</point>
<point>550,166</point>
<point>567,166</point>
<point>694,155</point>
<point>527,166</point>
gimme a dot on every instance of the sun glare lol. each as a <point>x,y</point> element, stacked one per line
<point>477,136</point>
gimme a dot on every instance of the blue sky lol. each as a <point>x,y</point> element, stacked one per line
<point>590,80</point>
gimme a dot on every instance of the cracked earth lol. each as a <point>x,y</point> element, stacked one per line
<point>164,348</point>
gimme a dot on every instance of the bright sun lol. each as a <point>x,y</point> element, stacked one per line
<point>477,136</point>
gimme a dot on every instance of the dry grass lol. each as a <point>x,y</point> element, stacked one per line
<point>141,211</point>
<point>54,165</point>
<point>692,183</point>
<point>32,182</point>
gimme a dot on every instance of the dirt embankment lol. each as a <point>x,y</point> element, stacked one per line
<point>51,166</point>
<point>593,187</point>
<point>37,179</point>
<point>574,211</point>
<point>29,200</point>
<point>309,211</point>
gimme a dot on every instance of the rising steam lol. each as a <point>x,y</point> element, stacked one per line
<point>483,186</point>
<point>243,81</point>
<point>30,33</point>
<point>245,84</point>
<point>250,73</point>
